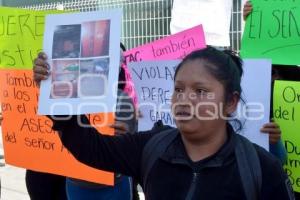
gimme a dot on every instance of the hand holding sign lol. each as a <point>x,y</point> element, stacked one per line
<point>247,9</point>
<point>40,68</point>
<point>273,129</point>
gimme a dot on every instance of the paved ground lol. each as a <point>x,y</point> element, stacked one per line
<point>13,181</point>
<point>13,184</point>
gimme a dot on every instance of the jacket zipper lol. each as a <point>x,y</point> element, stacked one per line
<point>192,188</point>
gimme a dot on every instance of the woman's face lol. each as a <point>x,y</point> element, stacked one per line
<point>198,101</point>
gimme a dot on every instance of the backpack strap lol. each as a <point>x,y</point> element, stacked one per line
<point>249,167</point>
<point>153,149</point>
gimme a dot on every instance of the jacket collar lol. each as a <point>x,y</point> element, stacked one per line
<point>176,153</point>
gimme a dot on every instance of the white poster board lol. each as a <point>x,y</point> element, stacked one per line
<point>214,15</point>
<point>256,86</point>
<point>154,82</point>
<point>84,52</point>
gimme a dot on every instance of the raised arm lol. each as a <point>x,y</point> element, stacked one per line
<point>121,153</point>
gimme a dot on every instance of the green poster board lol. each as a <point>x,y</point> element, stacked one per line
<point>21,36</point>
<point>272,31</point>
<point>286,111</point>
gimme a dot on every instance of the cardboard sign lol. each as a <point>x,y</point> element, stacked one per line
<point>29,140</point>
<point>21,36</point>
<point>273,31</point>
<point>214,15</point>
<point>84,57</point>
<point>173,47</point>
<point>256,90</point>
<point>154,82</point>
<point>286,112</point>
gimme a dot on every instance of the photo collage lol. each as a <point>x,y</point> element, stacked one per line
<point>80,60</point>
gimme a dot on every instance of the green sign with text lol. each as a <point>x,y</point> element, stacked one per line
<point>273,31</point>
<point>286,111</point>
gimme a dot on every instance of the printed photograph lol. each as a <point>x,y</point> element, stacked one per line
<point>65,75</point>
<point>66,41</point>
<point>93,79</point>
<point>95,38</point>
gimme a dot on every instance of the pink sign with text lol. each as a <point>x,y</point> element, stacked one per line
<point>172,47</point>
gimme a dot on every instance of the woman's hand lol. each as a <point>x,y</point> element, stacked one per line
<point>273,130</point>
<point>40,68</point>
<point>247,9</point>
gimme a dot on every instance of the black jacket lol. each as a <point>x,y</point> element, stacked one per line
<point>216,177</point>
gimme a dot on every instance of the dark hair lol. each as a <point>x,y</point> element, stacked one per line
<point>225,66</point>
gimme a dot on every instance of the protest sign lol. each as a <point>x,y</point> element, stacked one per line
<point>29,140</point>
<point>84,56</point>
<point>175,46</point>
<point>286,112</point>
<point>154,82</point>
<point>214,15</point>
<point>273,31</point>
<point>256,91</point>
<point>21,35</point>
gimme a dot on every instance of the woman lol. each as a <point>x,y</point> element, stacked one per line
<point>200,163</point>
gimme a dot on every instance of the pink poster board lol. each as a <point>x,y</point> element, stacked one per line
<point>172,47</point>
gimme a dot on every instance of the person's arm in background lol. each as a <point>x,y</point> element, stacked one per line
<point>273,129</point>
<point>276,145</point>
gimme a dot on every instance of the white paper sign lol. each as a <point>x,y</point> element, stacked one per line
<point>153,81</point>
<point>214,15</point>
<point>154,86</point>
<point>84,52</point>
<point>256,86</point>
